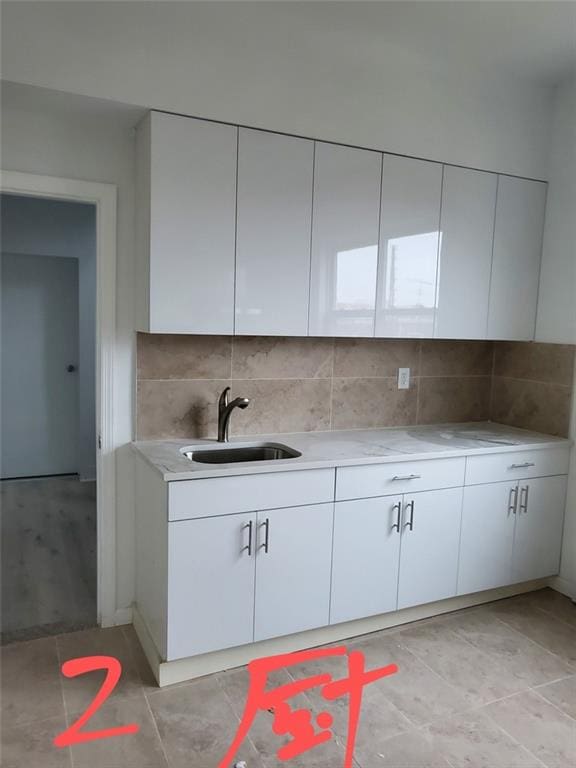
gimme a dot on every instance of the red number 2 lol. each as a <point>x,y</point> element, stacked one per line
<point>75,667</point>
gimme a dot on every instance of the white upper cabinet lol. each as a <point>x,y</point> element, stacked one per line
<point>409,224</point>
<point>466,232</point>
<point>187,205</point>
<point>516,258</point>
<point>344,241</point>
<point>273,233</point>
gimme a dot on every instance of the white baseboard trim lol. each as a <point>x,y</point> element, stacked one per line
<point>181,670</point>
<point>563,586</point>
<point>120,617</point>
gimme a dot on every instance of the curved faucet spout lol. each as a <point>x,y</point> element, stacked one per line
<point>225,409</point>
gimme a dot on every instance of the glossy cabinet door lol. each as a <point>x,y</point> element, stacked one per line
<point>539,523</point>
<point>409,226</point>
<point>365,558</point>
<point>344,241</point>
<point>192,225</point>
<point>273,233</point>
<point>430,546</point>
<point>516,258</point>
<point>293,560</point>
<point>466,234</point>
<point>488,521</point>
<point>211,569</point>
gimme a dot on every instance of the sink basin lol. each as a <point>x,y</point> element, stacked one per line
<point>238,453</point>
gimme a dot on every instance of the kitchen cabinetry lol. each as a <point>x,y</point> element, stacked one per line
<point>518,231</point>
<point>345,219</point>
<point>467,230</point>
<point>408,257</point>
<point>187,220</point>
<point>273,233</point>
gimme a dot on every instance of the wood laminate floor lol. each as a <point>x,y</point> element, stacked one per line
<point>48,556</point>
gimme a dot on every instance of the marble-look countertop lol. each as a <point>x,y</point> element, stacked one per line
<point>346,448</point>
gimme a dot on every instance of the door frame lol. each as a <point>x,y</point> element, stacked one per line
<point>104,197</point>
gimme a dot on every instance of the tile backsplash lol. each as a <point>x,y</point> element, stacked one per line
<point>305,384</point>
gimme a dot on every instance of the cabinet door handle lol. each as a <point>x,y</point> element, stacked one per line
<point>410,523</point>
<point>249,545</point>
<point>266,545</point>
<point>524,504</point>
<point>522,466</point>
<point>513,500</point>
<point>406,477</point>
<point>398,508</point>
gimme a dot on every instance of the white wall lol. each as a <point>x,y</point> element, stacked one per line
<point>557,298</point>
<point>367,73</point>
<point>56,135</point>
<point>37,227</point>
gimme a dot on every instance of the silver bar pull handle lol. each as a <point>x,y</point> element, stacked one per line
<point>266,545</point>
<point>522,466</point>
<point>513,500</point>
<point>249,545</point>
<point>410,523</point>
<point>524,498</point>
<point>398,508</point>
<point>406,477</point>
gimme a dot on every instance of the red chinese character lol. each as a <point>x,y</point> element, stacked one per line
<point>298,723</point>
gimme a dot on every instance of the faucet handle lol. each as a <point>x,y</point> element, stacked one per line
<point>223,399</point>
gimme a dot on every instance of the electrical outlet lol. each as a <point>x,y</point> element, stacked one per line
<point>403,378</point>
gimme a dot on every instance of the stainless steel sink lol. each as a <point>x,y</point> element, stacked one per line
<point>232,454</point>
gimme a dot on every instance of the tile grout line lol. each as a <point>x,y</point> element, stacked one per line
<point>569,663</point>
<point>515,741</point>
<point>157,731</point>
<point>551,703</point>
<point>536,644</point>
<point>66,714</point>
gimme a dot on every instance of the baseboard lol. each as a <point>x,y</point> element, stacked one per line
<point>120,617</point>
<point>563,586</point>
<point>180,670</point>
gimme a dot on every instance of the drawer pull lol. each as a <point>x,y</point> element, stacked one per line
<point>410,523</point>
<point>522,466</point>
<point>406,477</point>
<point>513,500</point>
<point>266,545</point>
<point>249,545</point>
<point>398,508</point>
<point>524,499</point>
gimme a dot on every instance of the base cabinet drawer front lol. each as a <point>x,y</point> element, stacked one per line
<point>487,539</point>
<point>365,557</point>
<point>211,575</point>
<point>398,477</point>
<point>517,465</point>
<point>293,563</point>
<point>245,493</point>
<point>539,524</point>
<point>430,545</point>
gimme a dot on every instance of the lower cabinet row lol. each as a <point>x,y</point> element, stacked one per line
<point>237,579</point>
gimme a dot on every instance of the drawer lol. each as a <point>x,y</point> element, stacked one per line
<point>516,465</point>
<point>188,499</point>
<point>398,477</point>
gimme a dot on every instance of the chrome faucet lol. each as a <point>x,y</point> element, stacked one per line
<point>225,411</point>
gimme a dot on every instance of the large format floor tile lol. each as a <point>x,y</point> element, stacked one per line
<point>562,694</point>
<point>28,746</point>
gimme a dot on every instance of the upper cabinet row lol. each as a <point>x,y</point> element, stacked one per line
<point>248,232</point>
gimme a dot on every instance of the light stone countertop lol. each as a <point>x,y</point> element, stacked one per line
<point>347,448</point>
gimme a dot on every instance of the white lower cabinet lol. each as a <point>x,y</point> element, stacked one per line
<point>293,559</point>
<point>539,521</point>
<point>210,584</point>
<point>366,557</point>
<point>429,549</point>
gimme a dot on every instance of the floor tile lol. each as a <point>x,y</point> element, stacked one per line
<point>28,746</point>
<point>552,602</point>
<point>79,691</point>
<point>420,694</point>
<point>31,687</point>
<point>139,657</point>
<point>545,731</point>
<point>478,677</point>
<point>197,724</point>
<point>562,694</point>
<point>408,750</point>
<point>517,653</point>
<point>473,740</point>
<point>138,750</point>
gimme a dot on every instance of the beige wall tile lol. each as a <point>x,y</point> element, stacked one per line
<point>452,399</point>
<point>534,361</point>
<point>367,403</point>
<point>456,358</point>
<point>270,357</point>
<point>531,405</point>
<point>282,405</point>
<point>375,357</point>
<point>178,408</point>
<point>169,356</point>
